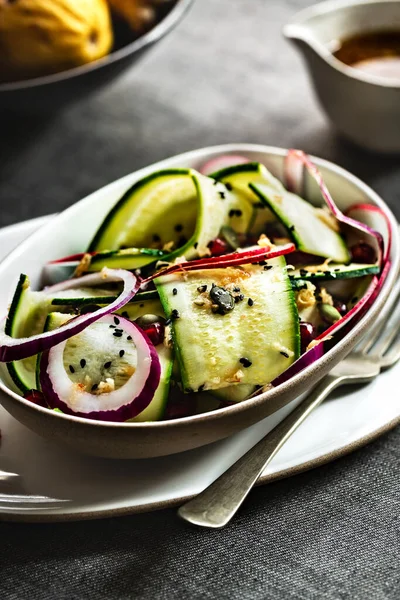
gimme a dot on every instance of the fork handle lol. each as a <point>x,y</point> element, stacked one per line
<point>218,503</point>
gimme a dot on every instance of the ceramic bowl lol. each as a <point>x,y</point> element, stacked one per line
<point>51,92</point>
<point>71,231</point>
<point>363,107</point>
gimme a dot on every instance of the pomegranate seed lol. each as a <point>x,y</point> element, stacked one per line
<point>218,247</point>
<point>340,306</point>
<point>155,332</point>
<point>36,397</point>
<point>363,253</point>
<point>307,334</point>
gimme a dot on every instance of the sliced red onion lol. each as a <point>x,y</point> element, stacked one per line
<point>221,162</point>
<point>118,405</point>
<point>18,348</point>
<point>376,219</point>
<point>295,162</point>
<point>226,260</point>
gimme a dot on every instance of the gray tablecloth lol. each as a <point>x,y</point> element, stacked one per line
<point>225,75</point>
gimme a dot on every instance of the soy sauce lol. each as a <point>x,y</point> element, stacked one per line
<point>376,53</point>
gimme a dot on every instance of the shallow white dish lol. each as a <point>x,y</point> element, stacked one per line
<point>101,488</point>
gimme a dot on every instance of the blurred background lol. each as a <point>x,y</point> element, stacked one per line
<point>223,74</point>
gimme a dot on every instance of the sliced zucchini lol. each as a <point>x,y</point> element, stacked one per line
<point>255,215</point>
<point>156,409</point>
<point>53,321</point>
<point>178,210</point>
<point>27,315</point>
<point>305,224</point>
<point>255,339</point>
<point>83,296</point>
<point>159,209</point>
<point>332,271</point>
<point>234,393</point>
<point>127,258</point>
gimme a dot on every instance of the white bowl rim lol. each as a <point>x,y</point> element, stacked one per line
<point>287,386</point>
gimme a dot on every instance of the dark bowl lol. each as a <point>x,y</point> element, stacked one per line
<point>51,92</point>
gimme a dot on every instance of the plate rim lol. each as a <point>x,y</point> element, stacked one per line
<point>18,516</point>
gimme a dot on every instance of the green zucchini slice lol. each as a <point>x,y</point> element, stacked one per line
<point>330,272</point>
<point>305,223</point>
<point>252,343</point>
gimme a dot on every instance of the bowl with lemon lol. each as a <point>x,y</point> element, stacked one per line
<point>53,52</point>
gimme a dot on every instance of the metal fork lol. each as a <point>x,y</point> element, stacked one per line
<point>218,503</point>
<point>18,502</point>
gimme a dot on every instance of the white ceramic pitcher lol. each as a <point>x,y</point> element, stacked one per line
<point>364,107</point>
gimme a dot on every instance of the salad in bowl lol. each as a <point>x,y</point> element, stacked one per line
<point>199,289</point>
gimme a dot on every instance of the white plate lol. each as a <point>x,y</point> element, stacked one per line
<point>99,487</point>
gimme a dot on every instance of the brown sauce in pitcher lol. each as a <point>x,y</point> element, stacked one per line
<point>376,53</point>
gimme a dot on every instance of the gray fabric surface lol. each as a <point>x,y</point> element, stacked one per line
<point>225,75</point>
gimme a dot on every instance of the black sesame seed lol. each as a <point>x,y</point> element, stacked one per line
<point>156,238</point>
<point>175,314</point>
<point>83,363</point>
<point>71,368</point>
<point>178,228</point>
<point>201,289</point>
<point>167,322</point>
<point>236,288</point>
<point>338,269</point>
<point>94,387</point>
<point>292,228</point>
<point>239,298</point>
<point>117,334</point>
<point>182,240</point>
<point>116,321</point>
<point>262,263</point>
<point>195,245</point>
<point>238,212</point>
<point>232,212</point>
<point>215,182</point>
<point>121,353</point>
<point>107,365</point>
<point>250,301</point>
<point>129,338</point>
<point>112,326</point>
<point>125,314</point>
<point>228,186</point>
<point>222,195</point>
<point>245,362</point>
<point>285,354</point>
<point>174,291</point>
<point>267,267</point>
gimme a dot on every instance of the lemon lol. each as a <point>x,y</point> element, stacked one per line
<point>39,37</point>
